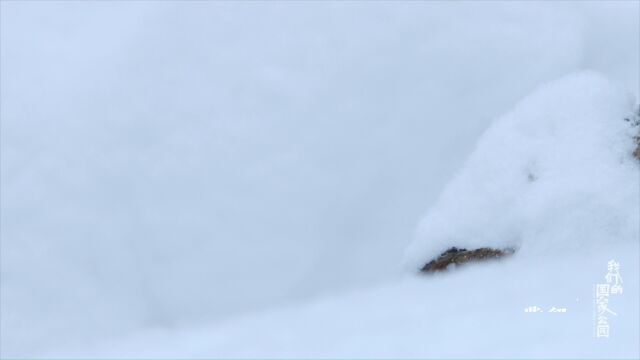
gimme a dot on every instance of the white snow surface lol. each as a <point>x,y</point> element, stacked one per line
<point>579,211</point>
<point>217,178</point>
<point>473,312</point>
<point>553,175</point>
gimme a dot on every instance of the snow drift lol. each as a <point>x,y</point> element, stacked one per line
<point>166,165</point>
<point>555,174</point>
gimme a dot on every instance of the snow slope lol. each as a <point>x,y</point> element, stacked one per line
<point>174,164</point>
<point>555,174</point>
<point>474,312</point>
<point>580,211</point>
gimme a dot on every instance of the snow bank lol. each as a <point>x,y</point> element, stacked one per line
<point>554,175</point>
<point>474,312</point>
<point>166,164</point>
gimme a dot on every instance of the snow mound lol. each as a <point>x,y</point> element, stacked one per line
<point>554,174</point>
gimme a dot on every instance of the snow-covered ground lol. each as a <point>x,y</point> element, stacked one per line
<point>555,179</point>
<point>218,179</point>
<point>474,312</point>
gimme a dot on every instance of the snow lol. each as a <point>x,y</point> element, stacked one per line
<point>535,181</point>
<point>473,312</point>
<point>210,178</point>
<point>568,223</point>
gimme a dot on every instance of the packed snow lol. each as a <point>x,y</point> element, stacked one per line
<point>245,179</point>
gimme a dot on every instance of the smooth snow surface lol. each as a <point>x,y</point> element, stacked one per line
<point>473,312</point>
<point>577,212</point>
<point>225,165</point>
